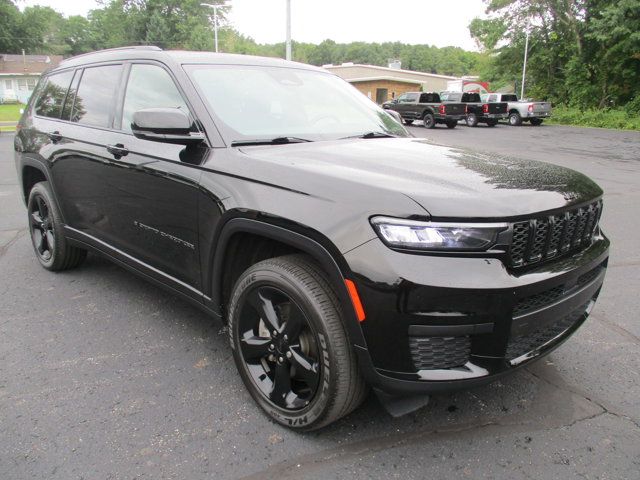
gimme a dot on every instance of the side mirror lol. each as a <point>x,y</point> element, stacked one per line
<point>167,125</point>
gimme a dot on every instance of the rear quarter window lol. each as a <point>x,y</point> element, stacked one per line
<point>52,94</point>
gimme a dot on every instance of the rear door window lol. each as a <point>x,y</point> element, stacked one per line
<point>52,96</point>
<point>96,98</point>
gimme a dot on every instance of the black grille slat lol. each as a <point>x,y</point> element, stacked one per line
<point>522,344</point>
<point>539,240</point>
<point>544,238</point>
<point>538,300</point>
<point>436,353</point>
<point>556,236</point>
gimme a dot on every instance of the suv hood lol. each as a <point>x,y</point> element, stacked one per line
<point>446,182</point>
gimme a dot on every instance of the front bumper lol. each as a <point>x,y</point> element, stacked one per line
<point>439,323</point>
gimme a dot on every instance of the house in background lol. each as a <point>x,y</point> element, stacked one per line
<point>19,74</point>
<point>385,83</point>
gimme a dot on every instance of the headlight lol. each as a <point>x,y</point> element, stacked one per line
<point>398,232</point>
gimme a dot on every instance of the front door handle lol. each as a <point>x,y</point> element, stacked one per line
<point>55,136</point>
<point>118,150</point>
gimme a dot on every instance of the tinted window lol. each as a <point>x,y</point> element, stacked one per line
<point>139,96</point>
<point>52,95</point>
<point>424,98</point>
<point>96,96</point>
<point>471,97</point>
<point>509,98</point>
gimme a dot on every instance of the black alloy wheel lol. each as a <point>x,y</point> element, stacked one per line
<point>41,228</point>
<point>279,348</point>
<point>46,229</point>
<point>290,345</point>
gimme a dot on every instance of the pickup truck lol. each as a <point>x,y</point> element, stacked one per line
<point>521,111</point>
<point>477,111</point>
<point>427,107</point>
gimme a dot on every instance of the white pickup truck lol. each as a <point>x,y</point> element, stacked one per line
<point>520,111</point>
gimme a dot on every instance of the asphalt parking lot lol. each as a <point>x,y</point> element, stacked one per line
<point>103,376</point>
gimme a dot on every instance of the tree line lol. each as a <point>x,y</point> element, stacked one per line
<point>186,24</point>
<point>582,53</point>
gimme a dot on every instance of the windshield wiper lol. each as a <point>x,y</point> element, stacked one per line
<point>269,141</point>
<point>371,135</point>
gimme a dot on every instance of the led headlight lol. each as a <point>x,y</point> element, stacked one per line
<point>401,233</point>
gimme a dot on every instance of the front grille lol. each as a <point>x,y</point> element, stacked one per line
<point>525,343</point>
<point>538,300</point>
<point>589,276</point>
<point>544,238</point>
<point>543,299</point>
<point>432,353</point>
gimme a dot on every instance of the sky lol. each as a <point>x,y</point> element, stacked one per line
<point>434,22</point>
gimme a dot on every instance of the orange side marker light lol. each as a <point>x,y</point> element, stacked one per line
<point>355,299</point>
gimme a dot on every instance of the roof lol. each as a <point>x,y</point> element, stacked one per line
<point>386,70</point>
<point>383,77</point>
<point>27,64</point>
<point>179,57</point>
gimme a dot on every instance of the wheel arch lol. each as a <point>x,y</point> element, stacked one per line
<point>427,110</point>
<point>514,110</point>
<point>31,172</point>
<point>282,240</point>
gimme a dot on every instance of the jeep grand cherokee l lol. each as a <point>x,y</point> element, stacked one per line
<point>341,252</point>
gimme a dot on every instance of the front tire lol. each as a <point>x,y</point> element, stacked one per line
<point>452,124</point>
<point>290,344</point>
<point>492,123</point>
<point>429,120</point>
<point>515,120</point>
<point>45,226</point>
<point>536,121</point>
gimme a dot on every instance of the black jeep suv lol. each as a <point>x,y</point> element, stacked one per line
<point>340,252</point>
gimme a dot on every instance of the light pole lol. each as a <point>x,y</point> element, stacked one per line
<point>215,18</point>
<point>288,54</point>
<point>524,65</point>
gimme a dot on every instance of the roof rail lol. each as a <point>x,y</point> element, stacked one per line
<point>130,47</point>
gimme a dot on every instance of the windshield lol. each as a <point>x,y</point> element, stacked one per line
<point>253,103</point>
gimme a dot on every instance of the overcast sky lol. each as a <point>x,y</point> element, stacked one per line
<point>435,22</point>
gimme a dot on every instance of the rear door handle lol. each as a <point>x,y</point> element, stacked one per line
<point>55,136</point>
<point>118,150</point>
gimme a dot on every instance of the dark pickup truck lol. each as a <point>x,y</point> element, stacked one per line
<point>426,107</point>
<point>476,110</point>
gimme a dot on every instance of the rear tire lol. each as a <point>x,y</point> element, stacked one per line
<point>47,237</point>
<point>515,120</point>
<point>536,122</point>
<point>290,344</point>
<point>429,120</point>
<point>472,120</point>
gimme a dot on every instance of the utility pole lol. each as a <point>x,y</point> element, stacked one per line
<point>288,29</point>
<point>215,19</point>
<point>524,65</point>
